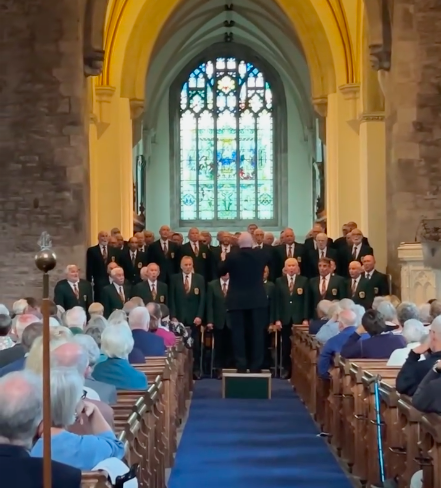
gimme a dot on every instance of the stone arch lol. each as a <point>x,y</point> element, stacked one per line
<point>323,35</point>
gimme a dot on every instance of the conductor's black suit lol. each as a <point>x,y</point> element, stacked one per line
<point>246,303</point>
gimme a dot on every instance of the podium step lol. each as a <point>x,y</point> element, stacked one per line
<point>247,386</point>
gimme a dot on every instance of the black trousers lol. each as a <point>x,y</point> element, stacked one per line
<point>196,336</point>
<point>248,326</point>
<point>286,346</point>
<point>223,346</point>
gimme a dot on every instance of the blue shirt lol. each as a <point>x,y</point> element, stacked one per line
<point>121,374</point>
<point>332,346</point>
<point>82,451</point>
<point>12,367</point>
<point>330,329</point>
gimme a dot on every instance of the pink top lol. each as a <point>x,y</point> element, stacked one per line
<point>169,337</point>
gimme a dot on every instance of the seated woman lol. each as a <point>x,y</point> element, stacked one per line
<point>159,319</point>
<point>381,343</point>
<point>116,344</point>
<point>81,451</point>
<point>414,333</point>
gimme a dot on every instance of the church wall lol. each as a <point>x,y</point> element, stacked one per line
<point>299,211</point>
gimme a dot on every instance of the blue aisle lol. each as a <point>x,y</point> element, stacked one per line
<point>252,444</point>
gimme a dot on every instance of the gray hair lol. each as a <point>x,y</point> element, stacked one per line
<point>414,331</point>
<point>436,326</point>
<point>117,341</point>
<point>323,306</point>
<point>334,310</point>
<point>359,311</point>
<point>387,310</point>
<point>129,307</point>
<point>30,334</point>
<point>19,307</point>
<point>116,317</point>
<point>139,318</point>
<point>4,310</point>
<point>21,407</point>
<point>347,318</point>
<point>245,240</point>
<point>377,301</point>
<point>407,311</point>
<point>66,391</point>
<point>90,347</point>
<point>75,317</point>
<point>346,304</point>
<point>115,270</point>
<point>425,316</point>
<point>98,321</point>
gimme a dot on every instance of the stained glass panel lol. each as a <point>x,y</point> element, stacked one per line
<point>226,143</point>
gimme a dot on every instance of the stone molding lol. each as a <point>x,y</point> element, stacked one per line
<point>320,105</point>
<point>380,33</point>
<point>93,36</point>
<point>136,108</point>
<point>351,91</point>
<point>103,96</point>
<point>372,117</point>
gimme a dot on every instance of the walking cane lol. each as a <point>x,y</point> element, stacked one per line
<point>201,358</point>
<point>281,356</point>
<point>276,352</point>
<point>46,261</point>
<point>212,355</point>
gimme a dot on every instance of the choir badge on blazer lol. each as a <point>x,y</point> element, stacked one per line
<point>334,291</point>
<point>172,254</point>
<point>204,256</point>
<point>113,259</point>
<point>139,265</point>
<point>299,291</point>
<point>161,298</point>
<point>362,294</point>
<point>376,291</point>
<point>196,291</point>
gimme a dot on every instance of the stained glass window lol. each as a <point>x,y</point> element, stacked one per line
<point>226,143</point>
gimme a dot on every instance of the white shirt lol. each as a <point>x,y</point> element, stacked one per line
<point>195,246</point>
<point>110,280</point>
<point>399,356</point>
<point>222,282</point>
<point>368,275</point>
<point>153,283</point>
<point>102,248</point>
<point>356,250</point>
<point>320,251</point>
<point>226,249</point>
<point>133,255</point>
<point>118,287</point>
<point>73,284</point>
<point>289,278</point>
<point>292,247</point>
<point>189,278</point>
<point>259,246</point>
<point>327,278</point>
<point>356,282</point>
<point>164,242</point>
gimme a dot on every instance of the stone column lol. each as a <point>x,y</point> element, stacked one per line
<point>43,139</point>
<point>413,123</point>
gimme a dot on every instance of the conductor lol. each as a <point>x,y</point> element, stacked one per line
<point>246,303</point>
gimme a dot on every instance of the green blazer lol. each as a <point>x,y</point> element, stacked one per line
<point>364,294</point>
<point>142,290</point>
<point>216,309</point>
<point>187,306</point>
<point>292,308</point>
<point>111,300</point>
<point>65,296</point>
<point>271,294</point>
<point>337,290</point>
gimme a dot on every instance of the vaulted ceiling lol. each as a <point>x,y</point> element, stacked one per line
<point>258,24</point>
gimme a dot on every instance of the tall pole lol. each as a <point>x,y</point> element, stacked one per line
<point>46,261</point>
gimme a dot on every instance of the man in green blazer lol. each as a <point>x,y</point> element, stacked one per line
<point>358,287</point>
<point>219,321</point>
<point>150,289</point>
<point>187,305</point>
<point>326,286</point>
<point>73,291</point>
<point>292,307</point>
<point>114,296</point>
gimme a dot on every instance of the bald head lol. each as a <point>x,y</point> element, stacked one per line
<point>70,355</point>
<point>245,240</point>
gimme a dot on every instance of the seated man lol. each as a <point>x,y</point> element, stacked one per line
<point>380,344</point>
<point>323,316</point>
<point>21,411</point>
<point>347,320</point>
<point>414,370</point>
<point>330,329</point>
<point>145,341</point>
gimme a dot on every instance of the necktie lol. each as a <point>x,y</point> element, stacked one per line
<point>354,252</point>
<point>76,291</point>
<point>187,284</point>
<point>133,258</point>
<point>368,276</point>
<point>224,288</point>
<point>323,287</point>
<point>289,251</point>
<point>153,290</point>
<point>165,248</point>
<point>322,254</point>
<point>225,250</point>
<point>354,286</point>
<point>291,285</point>
<point>104,253</point>
<point>196,250</point>
<point>121,294</point>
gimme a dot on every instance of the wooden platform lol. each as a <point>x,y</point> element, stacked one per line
<point>246,385</point>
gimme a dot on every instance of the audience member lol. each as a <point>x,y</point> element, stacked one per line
<point>146,342</point>
<point>156,327</point>
<point>414,333</point>
<point>323,307</point>
<point>20,323</point>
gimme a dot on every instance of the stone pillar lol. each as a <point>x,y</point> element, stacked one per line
<point>413,123</point>
<point>43,139</point>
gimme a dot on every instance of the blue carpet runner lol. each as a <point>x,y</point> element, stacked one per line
<point>252,444</point>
